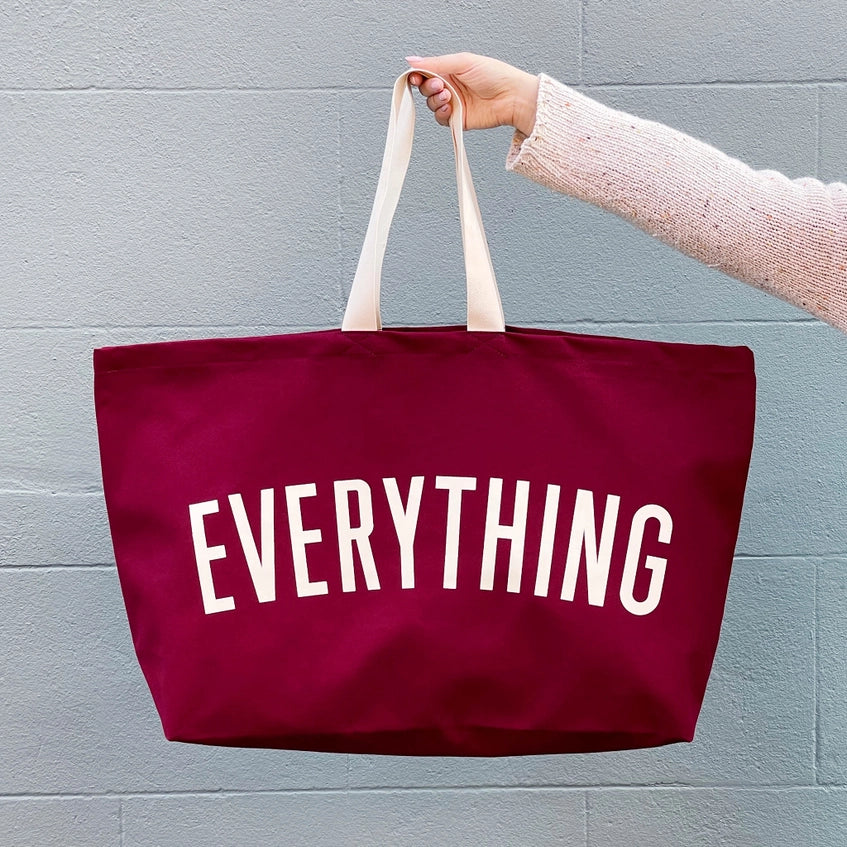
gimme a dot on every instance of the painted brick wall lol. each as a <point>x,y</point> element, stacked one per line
<point>186,169</point>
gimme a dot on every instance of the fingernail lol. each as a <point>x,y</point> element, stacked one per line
<point>413,59</point>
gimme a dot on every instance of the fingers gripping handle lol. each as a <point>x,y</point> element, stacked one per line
<point>485,311</point>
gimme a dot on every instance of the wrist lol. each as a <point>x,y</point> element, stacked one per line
<point>525,98</point>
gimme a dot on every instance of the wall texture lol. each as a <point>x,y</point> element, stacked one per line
<point>187,169</point>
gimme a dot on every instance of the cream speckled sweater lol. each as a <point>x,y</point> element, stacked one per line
<point>785,236</point>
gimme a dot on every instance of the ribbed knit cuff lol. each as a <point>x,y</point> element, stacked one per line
<point>564,117</point>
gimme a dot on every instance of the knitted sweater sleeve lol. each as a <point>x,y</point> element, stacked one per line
<point>785,236</point>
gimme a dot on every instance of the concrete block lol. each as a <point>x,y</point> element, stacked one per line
<point>77,716</point>
<point>49,821</point>
<point>265,44</point>
<point>833,132</point>
<point>360,819</point>
<point>48,44</point>
<point>53,529</point>
<point>168,209</point>
<point>686,42</point>
<point>768,127</point>
<point>48,437</point>
<point>832,670</point>
<point>717,818</point>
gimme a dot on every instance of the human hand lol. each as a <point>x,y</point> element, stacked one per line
<point>493,92</point>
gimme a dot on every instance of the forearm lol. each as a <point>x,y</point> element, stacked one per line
<point>787,237</point>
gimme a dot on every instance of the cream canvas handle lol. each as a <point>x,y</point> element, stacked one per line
<point>485,311</point>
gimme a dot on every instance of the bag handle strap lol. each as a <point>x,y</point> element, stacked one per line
<point>485,310</point>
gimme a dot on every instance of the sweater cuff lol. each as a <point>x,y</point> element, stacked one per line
<point>564,117</point>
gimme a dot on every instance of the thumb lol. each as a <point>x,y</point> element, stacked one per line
<point>451,63</point>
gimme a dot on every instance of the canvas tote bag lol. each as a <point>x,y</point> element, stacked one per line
<point>473,540</point>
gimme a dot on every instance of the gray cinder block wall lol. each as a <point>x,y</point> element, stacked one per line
<point>178,170</point>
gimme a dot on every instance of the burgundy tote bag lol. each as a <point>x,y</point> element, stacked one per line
<point>473,540</point>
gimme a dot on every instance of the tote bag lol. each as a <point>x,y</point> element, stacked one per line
<point>474,540</point>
